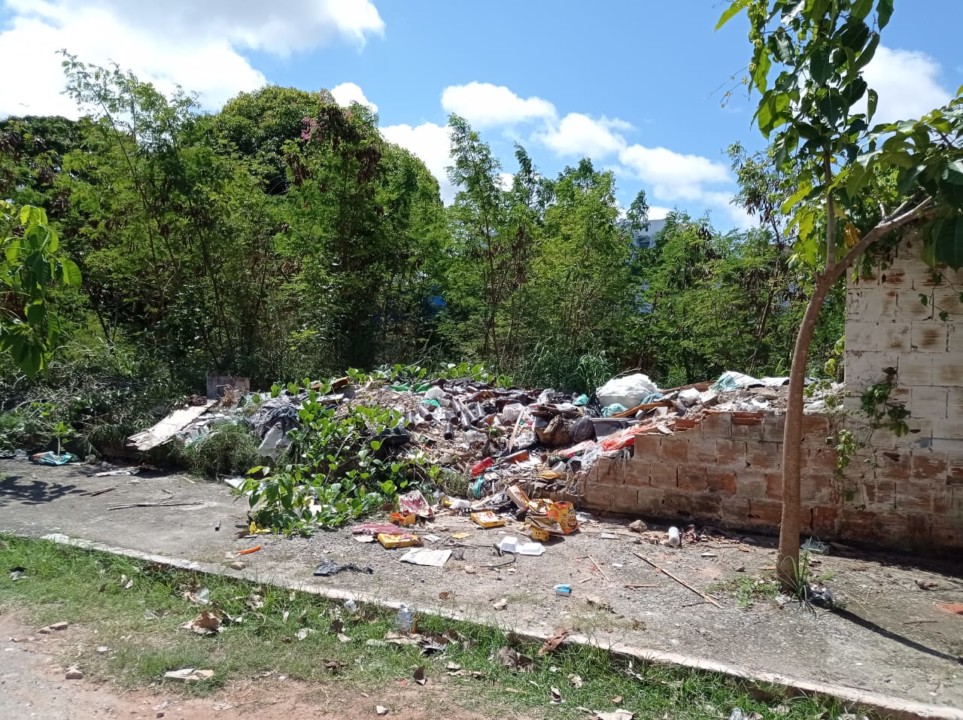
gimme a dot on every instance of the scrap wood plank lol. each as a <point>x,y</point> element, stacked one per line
<point>644,406</point>
<point>168,427</point>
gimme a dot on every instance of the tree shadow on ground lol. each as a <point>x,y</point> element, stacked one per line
<point>895,637</point>
<point>14,489</point>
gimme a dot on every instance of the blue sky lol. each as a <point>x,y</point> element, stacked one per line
<point>638,85</point>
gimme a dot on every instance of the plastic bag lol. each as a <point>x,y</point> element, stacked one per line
<point>628,391</point>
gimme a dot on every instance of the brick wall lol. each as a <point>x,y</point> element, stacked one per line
<point>899,492</point>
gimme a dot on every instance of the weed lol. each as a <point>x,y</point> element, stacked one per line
<point>748,589</point>
<point>229,449</point>
<point>344,464</point>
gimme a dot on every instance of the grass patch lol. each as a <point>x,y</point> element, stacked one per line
<point>748,590</point>
<point>136,609</point>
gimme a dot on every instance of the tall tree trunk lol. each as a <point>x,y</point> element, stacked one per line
<point>787,562</point>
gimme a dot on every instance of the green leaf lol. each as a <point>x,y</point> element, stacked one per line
<point>36,314</point>
<point>884,12</point>
<point>946,236</point>
<point>733,10</point>
<point>872,103</point>
<point>867,54</point>
<point>796,197</point>
<point>820,64</point>
<point>70,272</point>
<point>953,172</point>
<point>861,8</point>
<point>760,73</point>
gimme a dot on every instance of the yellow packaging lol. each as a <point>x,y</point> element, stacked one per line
<point>401,540</point>
<point>539,534</point>
<point>564,514</point>
<point>403,519</point>
<point>488,519</point>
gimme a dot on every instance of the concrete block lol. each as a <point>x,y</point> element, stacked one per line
<point>893,336</point>
<point>913,370</point>
<point>650,501</point>
<point>703,451</point>
<point>824,521</point>
<point>948,371</point>
<point>773,428</point>
<point>764,456</point>
<point>929,402</point>
<point>765,513</point>
<point>675,448</point>
<point>692,479</point>
<point>647,446</point>
<point>929,467</point>
<point>862,335</point>
<point>751,484</point>
<point>663,476</point>
<point>734,511</point>
<point>910,306</point>
<point>954,403</point>
<point>914,497</point>
<point>716,425</point>
<point>719,480</point>
<point>731,453</point>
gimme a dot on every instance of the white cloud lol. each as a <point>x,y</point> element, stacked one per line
<point>431,143</point>
<point>349,92</point>
<point>657,212</point>
<point>487,105</point>
<point>178,42</point>
<point>672,175</point>
<point>580,135</point>
<point>907,82</point>
<point>506,180</point>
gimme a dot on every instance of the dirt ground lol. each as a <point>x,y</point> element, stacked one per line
<point>32,685</point>
<point>893,636</point>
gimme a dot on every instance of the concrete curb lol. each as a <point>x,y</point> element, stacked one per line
<point>885,705</point>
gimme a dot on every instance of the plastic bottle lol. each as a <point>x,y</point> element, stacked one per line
<point>435,393</point>
<point>405,620</point>
<point>675,540</point>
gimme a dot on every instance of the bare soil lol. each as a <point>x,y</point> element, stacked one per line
<point>893,636</point>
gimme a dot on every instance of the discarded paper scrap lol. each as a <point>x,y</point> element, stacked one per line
<point>431,558</point>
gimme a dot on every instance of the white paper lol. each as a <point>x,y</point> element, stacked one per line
<point>432,558</point>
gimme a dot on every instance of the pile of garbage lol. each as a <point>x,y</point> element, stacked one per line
<point>511,444</point>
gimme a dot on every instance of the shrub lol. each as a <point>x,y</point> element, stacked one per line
<point>229,449</point>
<point>345,462</point>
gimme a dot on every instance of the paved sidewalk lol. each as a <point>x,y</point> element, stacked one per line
<point>892,640</point>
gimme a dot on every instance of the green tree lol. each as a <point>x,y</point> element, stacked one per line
<point>31,266</point>
<point>816,107</point>
<point>580,303</point>
<point>486,270</point>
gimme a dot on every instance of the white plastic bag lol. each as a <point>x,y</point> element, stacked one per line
<point>628,391</point>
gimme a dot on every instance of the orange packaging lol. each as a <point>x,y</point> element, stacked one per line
<point>564,514</point>
<point>390,541</point>
<point>403,519</point>
<point>488,519</point>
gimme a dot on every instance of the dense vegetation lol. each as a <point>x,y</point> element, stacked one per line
<point>283,237</point>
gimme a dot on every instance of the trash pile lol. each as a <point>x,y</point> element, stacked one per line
<point>517,448</point>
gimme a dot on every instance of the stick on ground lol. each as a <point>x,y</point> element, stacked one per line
<point>681,582</point>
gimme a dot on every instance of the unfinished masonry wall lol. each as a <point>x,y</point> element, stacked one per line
<point>899,492</point>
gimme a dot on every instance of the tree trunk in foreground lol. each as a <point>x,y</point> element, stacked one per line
<point>787,562</point>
